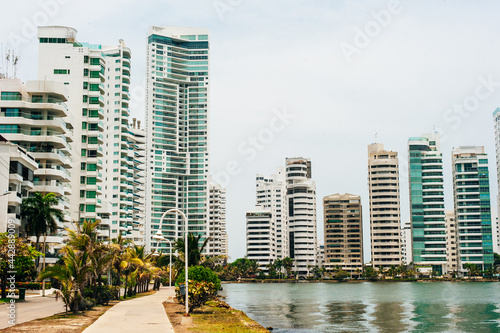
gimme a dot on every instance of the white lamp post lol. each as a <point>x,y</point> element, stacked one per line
<point>185,251</point>
<point>159,236</point>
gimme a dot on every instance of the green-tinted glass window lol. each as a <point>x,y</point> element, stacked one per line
<point>90,194</point>
<point>10,96</point>
<point>91,180</point>
<point>92,140</point>
<point>90,208</point>
<point>91,167</point>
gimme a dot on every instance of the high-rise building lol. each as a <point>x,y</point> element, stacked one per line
<point>34,117</point>
<point>301,201</point>
<point>496,229</point>
<point>406,248</point>
<point>261,237</point>
<point>217,245</point>
<point>385,216</point>
<point>343,233</point>
<point>451,241</point>
<point>97,78</point>
<point>16,180</point>
<point>177,105</point>
<point>271,195</point>
<point>427,215</point>
<point>471,192</point>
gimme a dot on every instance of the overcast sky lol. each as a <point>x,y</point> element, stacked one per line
<point>341,71</point>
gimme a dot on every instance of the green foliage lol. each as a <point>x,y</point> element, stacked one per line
<point>497,258</point>
<point>200,273</point>
<point>88,303</point>
<point>370,273</point>
<point>341,275</point>
<point>199,292</point>
<point>103,295</point>
<point>194,250</point>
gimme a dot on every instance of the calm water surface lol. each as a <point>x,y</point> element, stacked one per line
<point>370,307</point>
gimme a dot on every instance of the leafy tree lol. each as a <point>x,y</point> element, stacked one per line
<point>497,259</point>
<point>370,273</point>
<point>341,275</point>
<point>15,256</point>
<point>203,285</point>
<point>41,217</point>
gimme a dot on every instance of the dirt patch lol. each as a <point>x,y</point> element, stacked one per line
<point>61,323</point>
<point>175,311</point>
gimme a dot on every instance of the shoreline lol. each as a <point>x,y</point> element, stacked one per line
<point>357,281</point>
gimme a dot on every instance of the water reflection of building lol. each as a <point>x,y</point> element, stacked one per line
<point>389,317</point>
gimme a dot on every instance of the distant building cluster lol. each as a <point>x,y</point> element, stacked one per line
<point>444,241</point>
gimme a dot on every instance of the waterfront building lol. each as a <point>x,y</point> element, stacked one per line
<point>385,216</point>
<point>343,233</point>
<point>451,241</point>
<point>261,237</point>
<point>301,201</point>
<point>426,187</point>
<point>496,228</point>
<point>406,248</point>
<point>97,79</point>
<point>217,244</point>
<point>471,194</point>
<point>320,255</point>
<point>177,112</point>
<point>17,167</point>
<point>271,195</point>
<point>34,117</point>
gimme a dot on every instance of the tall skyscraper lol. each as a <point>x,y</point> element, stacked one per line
<point>427,202</point>
<point>496,228</point>
<point>97,78</point>
<point>301,200</point>
<point>471,192</point>
<point>385,216</point>
<point>177,108</point>
<point>343,233</point>
<point>261,237</point>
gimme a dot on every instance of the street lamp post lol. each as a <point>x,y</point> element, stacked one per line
<point>159,237</point>
<point>185,250</point>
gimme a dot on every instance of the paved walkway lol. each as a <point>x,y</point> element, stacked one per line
<point>143,314</point>
<point>33,308</point>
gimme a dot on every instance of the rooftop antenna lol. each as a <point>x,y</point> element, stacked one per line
<point>9,61</point>
<point>375,136</point>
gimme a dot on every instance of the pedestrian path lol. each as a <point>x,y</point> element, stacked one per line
<point>143,314</point>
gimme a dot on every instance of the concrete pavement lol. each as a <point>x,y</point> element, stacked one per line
<point>33,308</point>
<point>143,314</point>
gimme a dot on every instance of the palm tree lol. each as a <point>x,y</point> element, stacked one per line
<point>41,217</point>
<point>194,250</point>
<point>118,249</point>
<point>288,264</point>
<point>72,275</point>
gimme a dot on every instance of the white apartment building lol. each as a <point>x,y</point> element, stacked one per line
<point>471,194</point>
<point>451,242</point>
<point>137,173</point>
<point>301,202</point>
<point>271,195</point>
<point>426,187</point>
<point>16,180</point>
<point>261,237</point>
<point>177,112</point>
<point>33,116</point>
<point>385,216</point>
<point>97,79</point>
<point>496,229</point>
<point>406,242</point>
<point>217,245</point>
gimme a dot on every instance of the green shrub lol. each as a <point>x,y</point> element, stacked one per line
<point>87,303</point>
<point>199,293</point>
<point>200,273</point>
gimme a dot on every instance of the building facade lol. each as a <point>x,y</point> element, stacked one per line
<point>16,181</point>
<point>34,117</point>
<point>217,245</point>
<point>301,202</point>
<point>261,237</point>
<point>427,214</point>
<point>451,242</point>
<point>343,233</point>
<point>385,216</point>
<point>271,195</point>
<point>177,110</point>
<point>97,79</point>
<point>406,244</point>
<point>471,194</point>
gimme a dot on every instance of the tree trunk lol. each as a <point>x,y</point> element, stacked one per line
<point>4,284</point>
